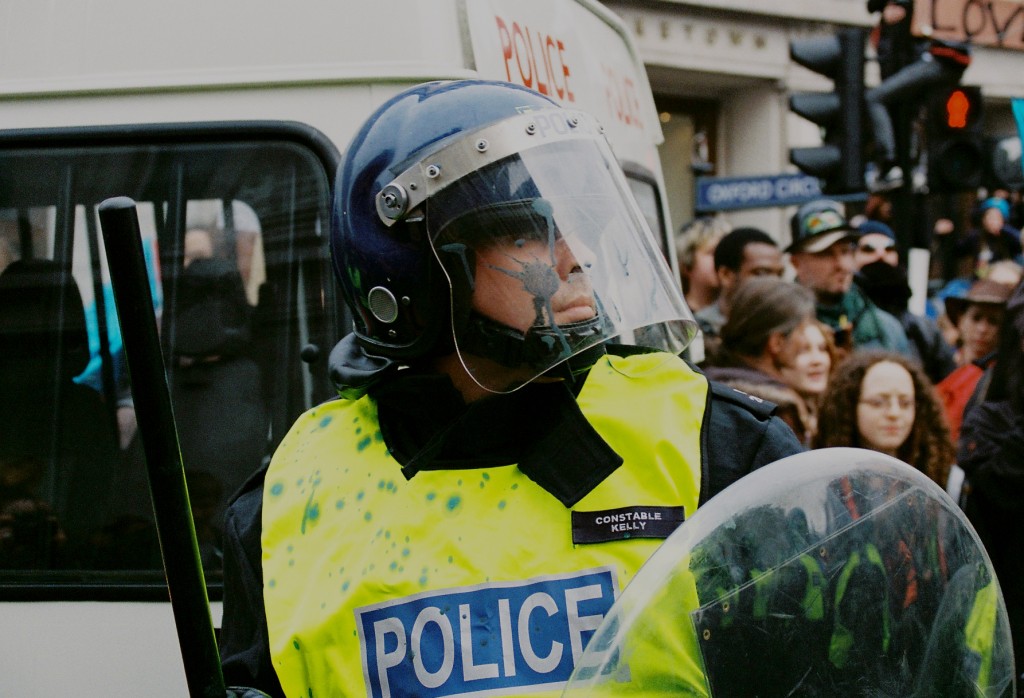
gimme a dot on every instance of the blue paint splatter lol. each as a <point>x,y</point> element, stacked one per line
<point>325,421</point>
<point>406,552</point>
<point>501,504</point>
<point>431,496</point>
<point>311,512</point>
<point>367,516</point>
<point>340,504</point>
<point>364,443</point>
<point>276,489</point>
<point>453,502</point>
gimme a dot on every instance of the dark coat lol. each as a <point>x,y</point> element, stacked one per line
<point>739,434</point>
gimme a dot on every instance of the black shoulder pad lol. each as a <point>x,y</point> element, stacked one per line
<point>762,409</point>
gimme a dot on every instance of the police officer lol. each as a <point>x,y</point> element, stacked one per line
<point>496,468</point>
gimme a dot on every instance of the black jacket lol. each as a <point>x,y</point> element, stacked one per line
<point>739,434</point>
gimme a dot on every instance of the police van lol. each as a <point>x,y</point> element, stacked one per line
<point>224,123</point>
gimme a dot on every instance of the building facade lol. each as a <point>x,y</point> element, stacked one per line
<point>721,74</point>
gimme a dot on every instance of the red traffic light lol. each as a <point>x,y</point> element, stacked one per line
<point>958,108</point>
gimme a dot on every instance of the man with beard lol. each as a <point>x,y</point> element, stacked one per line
<point>821,252</point>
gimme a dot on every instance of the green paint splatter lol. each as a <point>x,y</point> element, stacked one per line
<point>340,504</point>
<point>359,495</point>
<point>295,643</point>
<point>367,516</point>
<point>364,443</point>
<point>486,476</point>
<point>378,437</point>
<point>451,559</point>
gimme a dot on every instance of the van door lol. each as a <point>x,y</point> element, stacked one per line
<point>235,221</point>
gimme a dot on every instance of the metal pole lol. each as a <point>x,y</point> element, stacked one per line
<point>175,527</point>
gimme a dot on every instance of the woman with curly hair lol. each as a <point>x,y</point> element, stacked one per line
<point>883,401</point>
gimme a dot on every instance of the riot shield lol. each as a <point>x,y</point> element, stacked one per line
<point>836,572</point>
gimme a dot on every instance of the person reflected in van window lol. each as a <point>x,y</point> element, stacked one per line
<point>198,245</point>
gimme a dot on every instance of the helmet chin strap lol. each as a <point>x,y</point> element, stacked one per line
<point>539,346</point>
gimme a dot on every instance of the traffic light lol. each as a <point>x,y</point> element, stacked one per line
<point>956,154</point>
<point>839,162</point>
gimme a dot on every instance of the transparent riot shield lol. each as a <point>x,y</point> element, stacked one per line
<point>837,572</point>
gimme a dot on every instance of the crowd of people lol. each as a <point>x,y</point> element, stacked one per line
<point>847,362</point>
<point>499,458</point>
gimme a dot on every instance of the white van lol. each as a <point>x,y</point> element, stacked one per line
<point>224,121</point>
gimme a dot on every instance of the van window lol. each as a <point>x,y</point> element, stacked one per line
<point>645,191</point>
<point>235,225</point>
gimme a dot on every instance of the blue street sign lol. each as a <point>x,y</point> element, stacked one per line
<point>758,191</point>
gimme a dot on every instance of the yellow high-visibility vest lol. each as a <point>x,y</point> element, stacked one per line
<point>467,581</point>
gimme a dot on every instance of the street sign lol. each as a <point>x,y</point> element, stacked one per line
<point>757,191</point>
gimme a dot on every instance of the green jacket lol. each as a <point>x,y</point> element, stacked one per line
<point>872,327</point>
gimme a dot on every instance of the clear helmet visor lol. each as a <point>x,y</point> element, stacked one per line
<point>545,250</point>
<point>833,572</point>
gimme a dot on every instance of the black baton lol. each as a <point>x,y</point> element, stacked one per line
<point>175,527</point>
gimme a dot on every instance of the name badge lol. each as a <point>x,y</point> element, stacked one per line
<point>625,523</point>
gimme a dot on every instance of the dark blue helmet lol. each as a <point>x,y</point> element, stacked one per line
<point>390,278</point>
<point>483,219</point>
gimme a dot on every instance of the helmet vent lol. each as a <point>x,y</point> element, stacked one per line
<point>383,304</point>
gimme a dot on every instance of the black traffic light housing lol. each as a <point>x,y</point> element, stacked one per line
<point>956,152</point>
<point>839,162</point>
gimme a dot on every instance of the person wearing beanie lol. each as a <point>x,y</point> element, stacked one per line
<point>993,240</point>
<point>877,242</point>
<point>886,285</point>
<point>881,278</point>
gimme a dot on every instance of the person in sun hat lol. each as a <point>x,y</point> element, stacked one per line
<point>977,316</point>
<point>822,253</point>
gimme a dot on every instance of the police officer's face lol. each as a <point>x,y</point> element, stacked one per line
<point>886,409</point>
<point>525,283</point>
<point>827,273</point>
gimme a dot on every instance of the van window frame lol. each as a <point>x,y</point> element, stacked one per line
<point>124,585</point>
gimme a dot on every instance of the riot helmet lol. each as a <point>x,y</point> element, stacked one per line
<point>484,219</point>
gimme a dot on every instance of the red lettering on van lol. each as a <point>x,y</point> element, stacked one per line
<point>539,59</point>
<point>620,91</point>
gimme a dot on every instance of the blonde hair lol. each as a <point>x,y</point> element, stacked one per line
<point>699,233</point>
